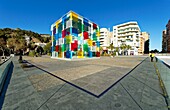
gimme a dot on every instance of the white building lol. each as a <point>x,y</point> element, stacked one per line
<point>27,38</point>
<point>104,38</point>
<point>127,33</point>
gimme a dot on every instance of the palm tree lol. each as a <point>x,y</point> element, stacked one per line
<point>101,50</point>
<point>128,47</point>
<point>123,47</point>
<point>111,47</point>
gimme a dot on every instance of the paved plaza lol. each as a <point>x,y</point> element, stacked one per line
<point>118,83</point>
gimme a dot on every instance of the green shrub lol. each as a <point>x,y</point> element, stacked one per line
<point>114,54</point>
<point>49,54</point>
<point>31,53</point>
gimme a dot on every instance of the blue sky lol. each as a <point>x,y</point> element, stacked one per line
<point>38,15</point>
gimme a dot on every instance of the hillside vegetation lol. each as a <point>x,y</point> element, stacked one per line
<point>13,40</point>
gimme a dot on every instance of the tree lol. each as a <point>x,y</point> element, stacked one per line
<point>11,43</point>
<point>128,47</point>
<point>2,42</point>
<point>47,48</point>
<point>16,44</point>
<point>46,39</point>
<point>154,51</point>
<point>111,47</point>
<point>2,46</point>
<point>21,44</point>
<point>101,50</point>
<point>39,50</point>
<point>123,47</point>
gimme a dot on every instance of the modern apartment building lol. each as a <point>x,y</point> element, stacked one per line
<point>105,36</point>
<point>74,36</point>
<point>166,38</point>
<point>127,34</point>
<point>164,41</point>
<point>141,45</point>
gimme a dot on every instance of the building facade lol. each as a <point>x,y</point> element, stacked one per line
<point>141,45</point>
<point>105,36</point>
<point>164,41</point>
<point>127,34</point>
<point>74,36</point>
<point>146,37</point>
<point>168,36</point>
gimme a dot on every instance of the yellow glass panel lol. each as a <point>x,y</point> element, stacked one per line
<point>80,54</point>
<point>57,23</point>
<point>68,39</point>
<point>60,54</point>
<point>98,34</point>
<point>74,14</point>
<point>90,42</point>
<point>97,49</point>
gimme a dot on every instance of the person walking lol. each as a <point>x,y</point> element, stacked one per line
<point>152,56</point>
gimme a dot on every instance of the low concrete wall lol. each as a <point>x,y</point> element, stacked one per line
<point>4,68</point>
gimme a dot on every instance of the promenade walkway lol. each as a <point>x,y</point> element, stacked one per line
<point>107,85</point>
<point>164,69</point>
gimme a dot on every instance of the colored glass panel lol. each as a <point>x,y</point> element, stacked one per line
<point>94,37</point>
<point>68,39</point>
<point>80,54</point>
<point>97,54</point>
<point>94,26</point>
<point>90,42</point>
<point>85,47</point>
<point>57,48</point>
<point>86,35</point>
<point>98,34</point>
<point>63,33</point>
<point>97,49</point>
<point>90,54</point>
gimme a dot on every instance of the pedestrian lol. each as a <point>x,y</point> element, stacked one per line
<point>152,56</point>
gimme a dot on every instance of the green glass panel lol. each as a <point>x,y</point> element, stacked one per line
<point>85,47</point>
<point>63,47</point>
<point>94,37</point>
